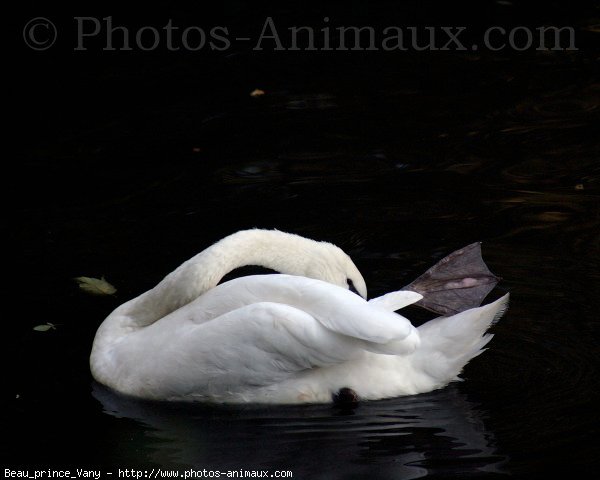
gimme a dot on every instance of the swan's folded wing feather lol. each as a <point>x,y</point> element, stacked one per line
<point>227,343</point>
<point>393,301</point>
<point>335,308</point>
<point>343,312</point>
<point>258,345</point>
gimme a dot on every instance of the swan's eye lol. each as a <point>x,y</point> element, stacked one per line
<point>351,286</point>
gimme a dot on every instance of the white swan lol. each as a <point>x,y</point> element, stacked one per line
<point>296,337</point>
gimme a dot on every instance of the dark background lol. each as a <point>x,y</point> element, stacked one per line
<point>124,164</point>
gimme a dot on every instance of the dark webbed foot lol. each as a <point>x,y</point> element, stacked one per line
<point>345,397</point>
<point>457,282</point>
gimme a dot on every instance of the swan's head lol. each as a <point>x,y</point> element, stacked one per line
<point>333,265</point>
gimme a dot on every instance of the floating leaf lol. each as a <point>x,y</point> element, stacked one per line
<point>95,286</point>
<point>43,328</point>
<point>257,92</point>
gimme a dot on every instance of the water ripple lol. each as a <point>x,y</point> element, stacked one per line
<point>412,435</point>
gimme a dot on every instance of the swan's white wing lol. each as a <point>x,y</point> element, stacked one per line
<point>337,309</point>
<point>256,332</point>
<point>255,346</point>
<point>393,301</point>
<point>262,330</point>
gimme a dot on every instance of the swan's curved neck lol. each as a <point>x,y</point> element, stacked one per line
<point>283,252</point>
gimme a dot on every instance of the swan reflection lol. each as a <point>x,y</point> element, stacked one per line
<point>439,433</point>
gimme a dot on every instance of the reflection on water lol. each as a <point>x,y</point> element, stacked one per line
<point>440,432</point>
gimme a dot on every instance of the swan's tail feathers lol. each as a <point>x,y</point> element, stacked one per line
<point>456,283</point>
<point>449,343</point>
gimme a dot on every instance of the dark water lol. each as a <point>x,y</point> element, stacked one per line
<point>131,164</point>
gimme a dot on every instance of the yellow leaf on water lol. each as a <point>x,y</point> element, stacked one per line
<point>95,286</point>
<point>43,328</point>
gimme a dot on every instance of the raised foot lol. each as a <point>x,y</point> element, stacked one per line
<point>456,283</point>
